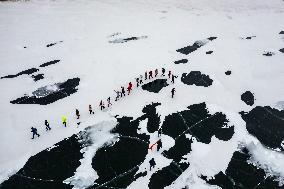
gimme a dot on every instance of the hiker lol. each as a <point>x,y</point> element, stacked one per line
<point>163,71</point>
<point>156,72</point>
<point>117,95</point>
<point>159,144</point>
<point>47,127</point>
<point>137,81</point>
<point>146,75</point>
<point>150,74</point>
<point>63,119</point>
<point>129,88</point>
<point>122,91</point>
<point>102,105</point>
<point>108,102</point>
<point>77,114</point>
<point>169,74</point>
<point>173,92</point>
<point>152,163</point>
<point>159,132</point>
<point>91,109</point>
<point>141,80</point>
<point>173,78</point>
<point>34,131</point>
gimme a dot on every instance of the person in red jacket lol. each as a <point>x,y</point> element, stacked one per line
<point>129,88</point>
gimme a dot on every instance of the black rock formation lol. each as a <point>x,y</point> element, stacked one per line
<point>49,63</point>
<point>182,61</point>
<point>209,52</point>
<point>25,72</point>
<point>228,72</point>
<point>155,86</point>
<point>124,40</point>
<point>37,77</point>
<point>248,98</point>
<point>45,95</point>
<point>196,45</point>
<point>282,32</point>
<point>267,125</point>
<point>268,54</point>
<point>196,78</point>
<point>282,50</point>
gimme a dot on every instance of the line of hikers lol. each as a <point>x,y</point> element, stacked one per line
<point>119,94</point>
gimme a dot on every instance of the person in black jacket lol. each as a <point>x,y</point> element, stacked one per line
<point>47,127</point>
<point>152,163</point>
<point>34,131</point>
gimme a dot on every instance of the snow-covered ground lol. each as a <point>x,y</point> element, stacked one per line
<point>86,27</point>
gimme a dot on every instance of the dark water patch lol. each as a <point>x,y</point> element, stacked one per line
<point>49,94</point>
<point>248,98</point>
<point>49,168</point>
<point>25,72</point>
<point>164,177</point>
<point>228,72</point>
<point>267,125</point>
<point>182,147</point>
<point>49,63</point>
<point>196,45</point>
<point>282,32</point>
<point>182,61</point>
<point>268,54</point>
<point>155,86</point>
<point>240,174</point>
<point>282,50</point>
<point>209,52</point>
<point>124,40</point>
<point>196,78</point>
<point>152,116</point>
<point>117,164</point>
<point>38,77</point>
<point>199,123</point>
<point>52,44</point>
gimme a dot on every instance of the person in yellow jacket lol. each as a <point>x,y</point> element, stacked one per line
<point>63,119</point>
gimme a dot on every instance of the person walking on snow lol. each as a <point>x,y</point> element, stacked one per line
<point>146,75</point>
<point>122,91</point>
<point>137,81</point>
<point>152,163</point>
<point>47,127</point>
<point>102,105</point>
<point>159,132</point>
<point>108,102</point>
<point>129,88</point>
<point>173,92</point>
<point>159,144</point>
<point>173,78</point>
<point>141,80</point>
<point>156,72</point>
<point>163,71</point>
<point>34,131</point>
<point>63,119</point>
<point>150,74</point>
<point>77,114</point>
<point>117,95</point>
<point>91,109</point>
<point>169,74</point>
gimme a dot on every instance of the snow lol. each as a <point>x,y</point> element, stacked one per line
<point>86,27</point>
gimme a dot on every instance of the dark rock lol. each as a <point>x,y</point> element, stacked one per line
<point>196,78</point>
<point>52,44</point>
<point>228,72</point>
<point>250,37</point>
<point>196,45</point>
<point>25,47</point>
<point>282,32</point>
<point>182,61</point>
<point>268,54</point>
<point>49,63</point>
<point>25,72</point>
<point>45,95</point>
<point>267,125</point>
<point>209,52</point>
<point>49,168</point>
<point>124,40</point>
<point>248,98</point>
<point>282,50</point>
<point>155,86</point>
<point>37,77</point>
<point>240,174</point>
<point>152,116</point>
<point>165,176</point>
